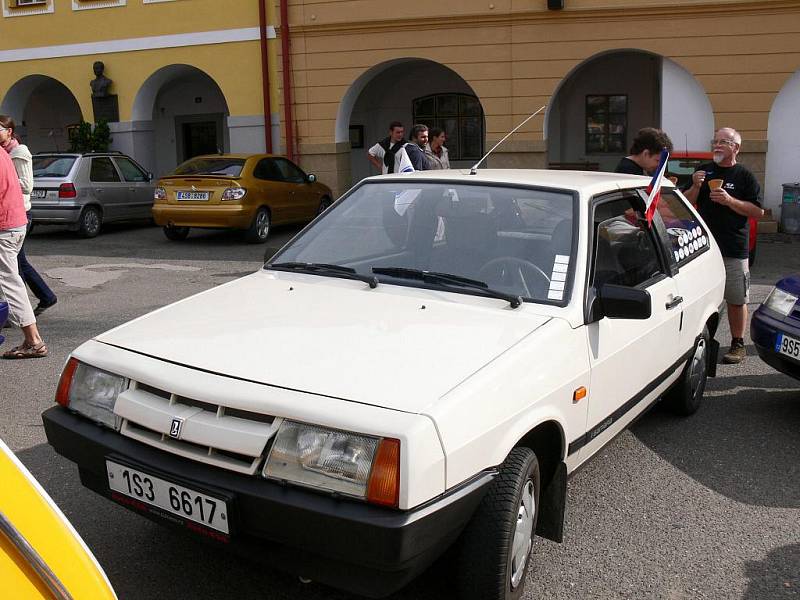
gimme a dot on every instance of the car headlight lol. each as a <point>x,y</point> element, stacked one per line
<point>352,464</point>
<point>90,391</point>
<point>234,193</point>
<point>780,301</point>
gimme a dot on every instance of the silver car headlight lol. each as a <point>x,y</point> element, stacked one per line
<point>780,301</point>
<point>90,391</point>
<point>352,464</point>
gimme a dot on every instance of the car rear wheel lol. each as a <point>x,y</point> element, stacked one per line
<point>494,550</point>
<point>685,397</point>
<point>90,222</point>
<point>259,228</point>
<point>176,234</point>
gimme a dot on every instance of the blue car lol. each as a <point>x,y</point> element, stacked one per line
<point>775,327</point>
<point>3,318</point>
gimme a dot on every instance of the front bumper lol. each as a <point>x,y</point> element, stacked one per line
<point>229,216</point>
<point>764,328</point>
<point>358,547</point>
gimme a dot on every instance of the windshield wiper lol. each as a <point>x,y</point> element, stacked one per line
<point>448,279</point>
<point>325,269</point>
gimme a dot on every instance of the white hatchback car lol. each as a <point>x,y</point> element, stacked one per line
<point>421,368</point>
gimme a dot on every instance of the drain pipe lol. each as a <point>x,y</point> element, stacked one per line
<point>262,22</point>
<point>287,79</point>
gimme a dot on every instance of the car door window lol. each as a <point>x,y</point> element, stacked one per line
<point>687,236</point>
<point>130,171</point>
<point>291,173</point>
<point>624,251</point>
<point>102,170</point>
<point>268,170</point>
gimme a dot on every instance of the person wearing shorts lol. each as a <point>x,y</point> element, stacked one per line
<point>727,208</point>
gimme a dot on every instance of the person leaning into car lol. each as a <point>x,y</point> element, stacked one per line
<point>726,210</point>
<point>645,152</point>
<point>13,225</point>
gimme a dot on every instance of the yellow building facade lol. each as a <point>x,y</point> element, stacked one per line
<point>188,75</point>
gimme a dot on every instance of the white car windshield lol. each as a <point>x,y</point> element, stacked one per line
<point>512,240</point>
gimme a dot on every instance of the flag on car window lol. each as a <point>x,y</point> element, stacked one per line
<point>405,165</point>
<point>653,190</point>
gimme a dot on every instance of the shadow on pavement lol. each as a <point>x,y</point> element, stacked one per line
<point>776,577</point>
<point>741,444</point>
<point>146,241</point>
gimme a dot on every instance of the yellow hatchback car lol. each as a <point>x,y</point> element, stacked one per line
<point>250,192</point>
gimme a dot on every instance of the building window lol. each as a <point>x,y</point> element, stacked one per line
<point>461,118</point>
<point>606,123</point>
<point>90,4</point>
<point>21,8</point>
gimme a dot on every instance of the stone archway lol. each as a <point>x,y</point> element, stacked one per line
<point>178,112</point>
<point>399,89</point>
<point>44,110</point>
<point>783,133</point>
<point>601,104</point>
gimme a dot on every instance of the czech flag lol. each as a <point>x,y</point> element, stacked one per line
<point>653,190</point>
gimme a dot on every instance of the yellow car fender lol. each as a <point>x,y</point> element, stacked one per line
<point>41,554</point>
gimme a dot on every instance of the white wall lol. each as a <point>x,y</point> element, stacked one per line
<point>636,74</point>
<point>686,113</point>
<point>177,99</point>
<point>783,133</point>
<point>389,97</point>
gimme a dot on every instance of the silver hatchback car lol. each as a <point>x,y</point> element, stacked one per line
<point>86,190</point>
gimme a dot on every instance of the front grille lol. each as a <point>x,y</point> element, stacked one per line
<point>219,435</point>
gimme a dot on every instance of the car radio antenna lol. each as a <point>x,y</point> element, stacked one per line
<point>474,169</point>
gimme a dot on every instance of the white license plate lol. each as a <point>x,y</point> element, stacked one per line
<point>170,497</point>
<point>38,193</point>
<point>192,195</point>
<point>788,346</point>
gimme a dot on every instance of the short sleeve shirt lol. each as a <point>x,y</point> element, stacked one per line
<point>378,152</point>
<point>730,229</point>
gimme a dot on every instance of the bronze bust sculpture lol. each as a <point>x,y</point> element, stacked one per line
<point>100,83</point>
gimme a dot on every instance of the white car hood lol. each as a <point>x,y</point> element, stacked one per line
<point>394,347</point>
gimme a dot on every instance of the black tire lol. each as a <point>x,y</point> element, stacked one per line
<point>176,234</point>
<point>488,567</point>
<point>685,397</point>
<point>258,231</point>
<point>324,205</point>
<point>90,222</point>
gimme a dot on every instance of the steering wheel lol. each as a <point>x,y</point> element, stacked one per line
<point>514,273</point>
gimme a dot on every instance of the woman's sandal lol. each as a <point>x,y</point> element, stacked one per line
<point>23,351</point>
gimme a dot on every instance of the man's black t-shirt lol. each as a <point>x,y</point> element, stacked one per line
<point>626,165</point>
<point>730,229</point>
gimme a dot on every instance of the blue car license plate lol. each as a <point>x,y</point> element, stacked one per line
<point>788,346</point>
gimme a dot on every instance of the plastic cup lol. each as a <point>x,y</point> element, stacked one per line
<point>715,184</point>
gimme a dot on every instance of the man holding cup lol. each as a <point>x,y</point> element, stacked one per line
<point>727,194</point>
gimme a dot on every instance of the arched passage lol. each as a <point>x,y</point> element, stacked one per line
<point>178,112</point>
<point>403,90</point>
<point>783,133</point>
<point>601,104</point>
<point>44,109</point>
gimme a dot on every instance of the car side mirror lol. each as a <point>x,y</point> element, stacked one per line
<point>620,302</point>
<point>311,178</point>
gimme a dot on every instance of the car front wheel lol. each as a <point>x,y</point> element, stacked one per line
<point>494,550</point>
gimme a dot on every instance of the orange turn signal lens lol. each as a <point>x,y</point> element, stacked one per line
<point>384,480</point>
<point>62,391</point>
<point>578,395</point>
